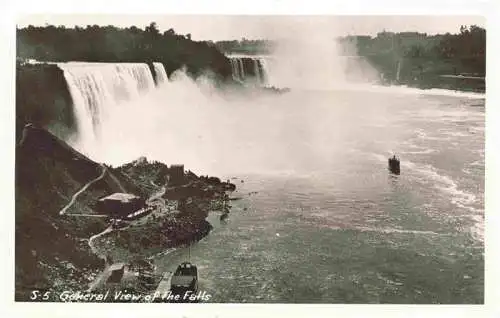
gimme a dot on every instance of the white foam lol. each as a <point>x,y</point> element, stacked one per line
<point>445,183</point>
<point>477,163</point>
<point>477,230</point>
<point>422,152</point>
<point>421,134</point>
<point>455,133</point>
<point>393,230</point>
<point>404,90</point>
<point>459,197</point>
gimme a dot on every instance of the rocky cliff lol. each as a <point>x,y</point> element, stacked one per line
<point>56,191</point>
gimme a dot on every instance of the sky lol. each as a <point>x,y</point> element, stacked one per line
<point>229,27</point>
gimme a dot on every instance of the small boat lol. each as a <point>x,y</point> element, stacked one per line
<point>185,281</point>
<point>394,165</point>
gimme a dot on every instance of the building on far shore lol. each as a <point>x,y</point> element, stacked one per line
<point>119,205</point>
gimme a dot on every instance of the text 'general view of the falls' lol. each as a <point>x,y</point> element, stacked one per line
<point>305,166</point>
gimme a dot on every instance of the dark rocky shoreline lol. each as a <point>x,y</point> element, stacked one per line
<point>52,250</point>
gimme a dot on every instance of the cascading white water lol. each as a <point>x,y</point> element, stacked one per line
<point>97,88</point>
<point>161,74</point>
<point>235,69</point>
<point>209,132</point>
<point>238,72</point>
<point>242,69</point>
<point>268,76</point>
<point>256,70</point>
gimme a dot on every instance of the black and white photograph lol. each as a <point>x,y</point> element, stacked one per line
<point>262,159</point>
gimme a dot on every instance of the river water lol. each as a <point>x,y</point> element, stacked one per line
<point>321,220</point>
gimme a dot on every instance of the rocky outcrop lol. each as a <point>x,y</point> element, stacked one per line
<point>52,249</point>
<point>43,98</point>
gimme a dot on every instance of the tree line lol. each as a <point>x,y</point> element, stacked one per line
<point>410,58</point>
<point>112,44</point>
<point>470,41</point>
<point>245,46</point>
<point>463,52</point>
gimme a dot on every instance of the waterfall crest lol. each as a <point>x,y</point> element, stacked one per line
<point>161,74</point>
<point>249,69</point>
<point>97,87</point>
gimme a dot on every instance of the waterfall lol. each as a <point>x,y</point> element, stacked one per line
<point>235,69</point>
<point>398,71</point>
<point>233,73</point>
<point>267,71</point>
<point>161,74</point>
<point>256,70</point>
<point>256,73</point>
<point>97,87</point>
<point>242,69</point>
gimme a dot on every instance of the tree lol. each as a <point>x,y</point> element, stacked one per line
<point>415,51</point>
<point>111,44</point>
<point>152,28</point>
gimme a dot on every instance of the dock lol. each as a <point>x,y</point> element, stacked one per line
<point>163,288</point>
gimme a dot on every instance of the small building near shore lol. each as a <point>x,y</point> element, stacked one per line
<point>116,272</point>
<point>119,205</point>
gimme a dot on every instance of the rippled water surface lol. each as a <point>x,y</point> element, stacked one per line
<point>329,224</point>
